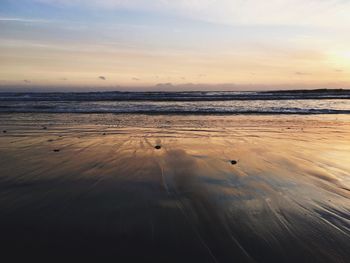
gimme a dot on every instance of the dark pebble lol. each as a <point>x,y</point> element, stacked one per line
<point>44,128</point>
<point>4,131</point>
<point>157,147</point>
<point>56,150</point>
<point>233,162</point>
<point>50,140</point>
<point>104,133</point>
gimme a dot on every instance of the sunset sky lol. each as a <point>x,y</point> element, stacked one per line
<point>218,44</point>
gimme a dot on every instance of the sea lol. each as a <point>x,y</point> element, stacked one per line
<point>194,102</point>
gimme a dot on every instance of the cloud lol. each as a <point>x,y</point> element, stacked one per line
<point>164,85</point>
<point>102,77</point>
<point>299,73</point>
<point>233,12</point>
<point>23,20</point>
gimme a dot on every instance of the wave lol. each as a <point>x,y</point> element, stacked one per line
<point>47,109</point>
<point>295,102</point>
<point>175,96</point>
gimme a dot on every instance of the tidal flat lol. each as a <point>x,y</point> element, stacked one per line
<point>175,188</point>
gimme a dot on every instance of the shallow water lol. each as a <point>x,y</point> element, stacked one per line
<point>109,195</point>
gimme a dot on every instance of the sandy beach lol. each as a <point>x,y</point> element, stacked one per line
<point>251,188</point>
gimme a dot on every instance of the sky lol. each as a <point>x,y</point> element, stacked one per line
<point>168,44</point>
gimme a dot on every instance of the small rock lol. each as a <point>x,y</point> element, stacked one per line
<point>104,133</point>
<point>44,128</point>
<point>233,162</point>
<point>157,147</point>
<point>4,131</point>
<point>56,150</point>
<point>50,140</point>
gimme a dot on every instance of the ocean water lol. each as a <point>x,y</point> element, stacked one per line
<point>278,102</point>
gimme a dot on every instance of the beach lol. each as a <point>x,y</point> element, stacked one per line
<point>175,188</point>
<point>158,131</point>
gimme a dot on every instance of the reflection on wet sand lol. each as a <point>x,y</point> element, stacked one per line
<point>96,187</point>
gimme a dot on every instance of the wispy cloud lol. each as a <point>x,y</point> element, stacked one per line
<point>23,20</point>
<point>233,12</point>
<point>299,73</point>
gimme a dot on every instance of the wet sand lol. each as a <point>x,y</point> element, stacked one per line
<point>95,188</point>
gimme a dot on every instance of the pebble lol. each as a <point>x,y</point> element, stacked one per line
<point>157,147</point>
<point>233,162</point>
<point>56,150</point>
